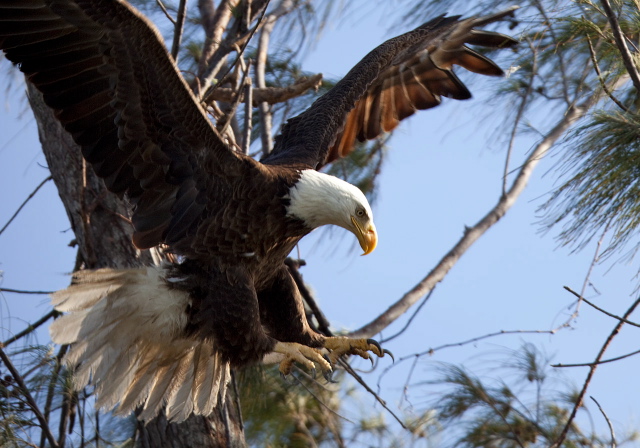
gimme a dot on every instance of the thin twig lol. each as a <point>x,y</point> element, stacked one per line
<point>223,124</point>
<point>558,54</point>
<point>264,112</point>
<point>431,351</point>
<point>604,361</point>
<point>519,114</point>
<point>603,84</point>
<point>30,401</point>
<point>613,434</point>
<point>627,58</point>
<point>52,387</point>
<point>323,322</point>
<point>587,277</point>
<point>359,379</point>
<point>626,321</point>
<point>30,328</point>
<point>271,95</point>
<point>33,193</point>
<point>23,291</point>
<point>166,13</point>
<point>248,115</point>
<point>178,29</point>
<point>413,316</point>
<point>319,400</point>
<point>592,370</point>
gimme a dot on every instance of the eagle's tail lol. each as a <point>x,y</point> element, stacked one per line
<point>127,331</point>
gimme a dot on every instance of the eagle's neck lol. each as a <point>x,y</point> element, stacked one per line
<point>319,199</point>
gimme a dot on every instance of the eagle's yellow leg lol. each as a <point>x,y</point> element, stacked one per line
<point>302,354</point>
<point>340,346</point>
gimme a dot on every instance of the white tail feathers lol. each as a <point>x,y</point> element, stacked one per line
<point>127,331</point>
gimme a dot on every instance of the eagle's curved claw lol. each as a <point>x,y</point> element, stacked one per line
<point>393,359</point>
<point>348,346</point>
<point>376,344</point>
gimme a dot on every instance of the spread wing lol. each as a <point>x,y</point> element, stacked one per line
<point>105,71</point>
<point>407,73</point>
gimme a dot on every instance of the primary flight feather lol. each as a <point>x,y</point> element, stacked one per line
<point>166,337</point>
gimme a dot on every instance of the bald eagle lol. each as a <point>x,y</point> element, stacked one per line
<point>166,336</point>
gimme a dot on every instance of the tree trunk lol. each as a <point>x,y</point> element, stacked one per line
<point>100,222</point>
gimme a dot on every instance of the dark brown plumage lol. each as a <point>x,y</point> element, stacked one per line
<point>166,336</point>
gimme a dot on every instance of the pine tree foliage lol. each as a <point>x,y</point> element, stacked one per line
<point>530,410</point>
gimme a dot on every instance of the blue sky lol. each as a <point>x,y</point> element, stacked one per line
<point>443,172</point>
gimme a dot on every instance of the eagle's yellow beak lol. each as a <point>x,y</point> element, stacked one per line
<point>367,235</point>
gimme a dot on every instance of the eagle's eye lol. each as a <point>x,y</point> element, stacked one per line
<point>360,213</point>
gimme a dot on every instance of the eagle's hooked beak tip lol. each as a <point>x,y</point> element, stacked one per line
<point>367,237</point>
<point>371,238</point>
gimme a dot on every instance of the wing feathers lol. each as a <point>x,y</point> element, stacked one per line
<point>105,70</point>
<point>403,75</point>
<point>127,331</point>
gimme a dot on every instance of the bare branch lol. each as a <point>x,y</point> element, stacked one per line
<point>592,370</point>
<point>472,234</point>
<point>613,434</point>
<point>248,94</point>
<point>27,395</point>
<point>33,193</point>
<point>431,351</point>
<point>383,403</point>
<point>603,84</point>
<point>214,27</point>
<point>270,95</point>
<point>600,309</point>
<point>225,121</point>
<point>166,13</point>
<point>413,316</point>
<point>604,361</point>
<point>519,114</point>
<point>30,328</point>
<point>622,46</point>
<point>323,322</point>
<point>22,291</point>
<point>179,28</point>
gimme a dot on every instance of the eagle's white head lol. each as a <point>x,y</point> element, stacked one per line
<point>319,199</point>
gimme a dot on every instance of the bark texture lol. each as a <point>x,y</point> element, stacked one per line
<point>99,220</point>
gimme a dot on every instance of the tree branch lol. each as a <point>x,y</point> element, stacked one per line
<point>270,95</point>
<point>22,291</point>
<point>214,26</point>
<point>179,28</point>
<point>33,193</point>
<point>613,434</point>
<point>603,84</point>
<point>621,44</point>
<point>30,328</point>
<point>323,322</point>
<point>626,321</point>
<point>605,361</point>
<point>472,234</point>
<point>592,370</point>
<point>519,114</point>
